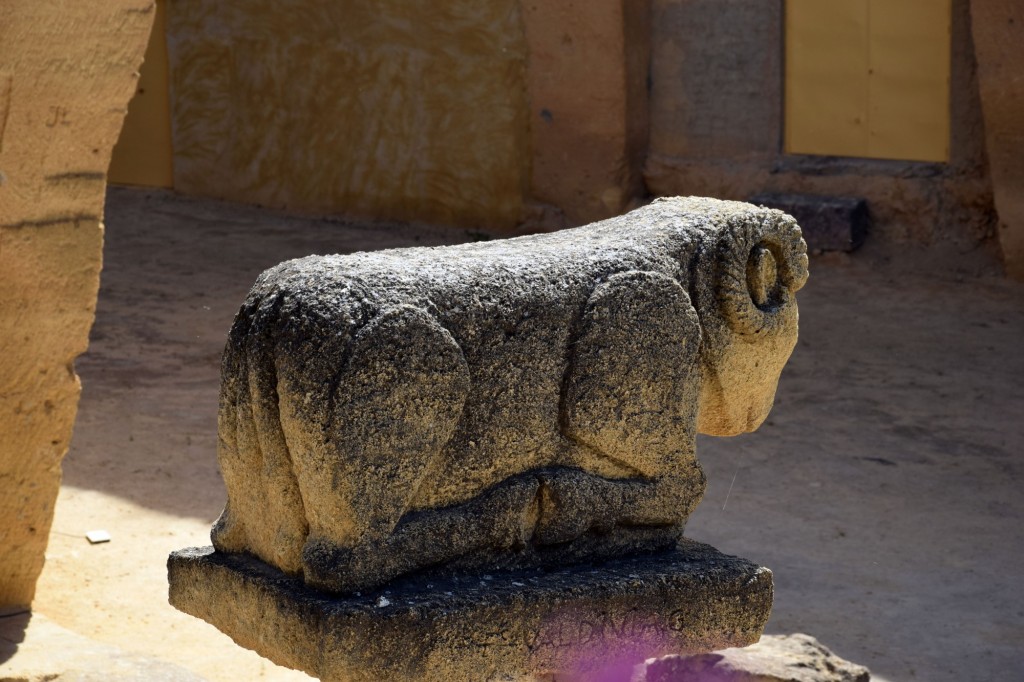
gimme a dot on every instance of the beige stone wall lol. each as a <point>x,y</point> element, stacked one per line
<point>386,110</point>
<point>998,27</point>
<point>492,114</point>
<point>587,81</point>
<point>67,71</point>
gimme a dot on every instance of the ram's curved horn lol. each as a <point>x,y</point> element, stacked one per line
<point>761,265</point>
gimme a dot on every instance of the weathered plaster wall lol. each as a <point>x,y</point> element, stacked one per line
<point>67,71</point>
<point>385,109</point>
<point>716,127</point>
<point>587,84</point>
<point>998,27</point>
<point>492,114</point>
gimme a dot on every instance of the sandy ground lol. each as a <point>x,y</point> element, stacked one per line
<point>885,491</point>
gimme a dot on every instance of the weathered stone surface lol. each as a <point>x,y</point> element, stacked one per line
<point>585,622</point>
<point>527,402</point>
<point>776,658</point>
<point>828,223</point>
<point>35,649</point>
<point>67,71</point>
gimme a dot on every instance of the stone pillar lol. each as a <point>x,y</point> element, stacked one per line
<point>587,85</point>
<point>67,71</point>
<point>998,28</point>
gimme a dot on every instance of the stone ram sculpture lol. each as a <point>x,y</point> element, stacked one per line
<point>519,402</point>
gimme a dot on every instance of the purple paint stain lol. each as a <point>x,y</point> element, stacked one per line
<point>605,647</point>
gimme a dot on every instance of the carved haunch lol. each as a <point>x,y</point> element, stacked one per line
<point>531,401</point>
<point>637,413</point>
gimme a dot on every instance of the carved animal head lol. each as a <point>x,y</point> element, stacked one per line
<point>749,316</point>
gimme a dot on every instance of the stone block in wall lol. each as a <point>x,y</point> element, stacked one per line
<point>67,71</point>
<point>716,79</point>
<point>587,81</point>
<point>828,223</point>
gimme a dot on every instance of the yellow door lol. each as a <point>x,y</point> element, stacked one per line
<point>868,78</point>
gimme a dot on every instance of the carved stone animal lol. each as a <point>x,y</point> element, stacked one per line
<point>500,404</point>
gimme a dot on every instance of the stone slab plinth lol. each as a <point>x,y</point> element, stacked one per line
<point>574,622</point>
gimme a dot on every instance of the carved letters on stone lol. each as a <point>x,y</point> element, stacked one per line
<point>531,401</point>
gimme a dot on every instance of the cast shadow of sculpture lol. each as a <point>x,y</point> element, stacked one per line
<point>503,404</point>
<point>14,623</point>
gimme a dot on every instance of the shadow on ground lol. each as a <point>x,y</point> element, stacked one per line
<point>13,625</point>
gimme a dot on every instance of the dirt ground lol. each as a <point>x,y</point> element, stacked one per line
<point>885,491</point>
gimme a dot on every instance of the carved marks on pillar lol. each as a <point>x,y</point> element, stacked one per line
<point>6,85</point>
<point>55,220</point>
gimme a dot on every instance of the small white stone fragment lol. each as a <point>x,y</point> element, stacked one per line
<point>383,601</point>
<point>95,537</point>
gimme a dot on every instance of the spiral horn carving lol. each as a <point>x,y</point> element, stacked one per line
<point>761,265</point>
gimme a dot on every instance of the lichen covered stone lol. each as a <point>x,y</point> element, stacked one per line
<point>500,405</point>
<point>775,658</point>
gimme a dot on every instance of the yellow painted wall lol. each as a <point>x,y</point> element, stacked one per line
<point>383,109</point>
<point>868,78</point>
<point>143,154</point>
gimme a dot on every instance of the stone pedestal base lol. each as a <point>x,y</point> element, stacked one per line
<point>585,622</point>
